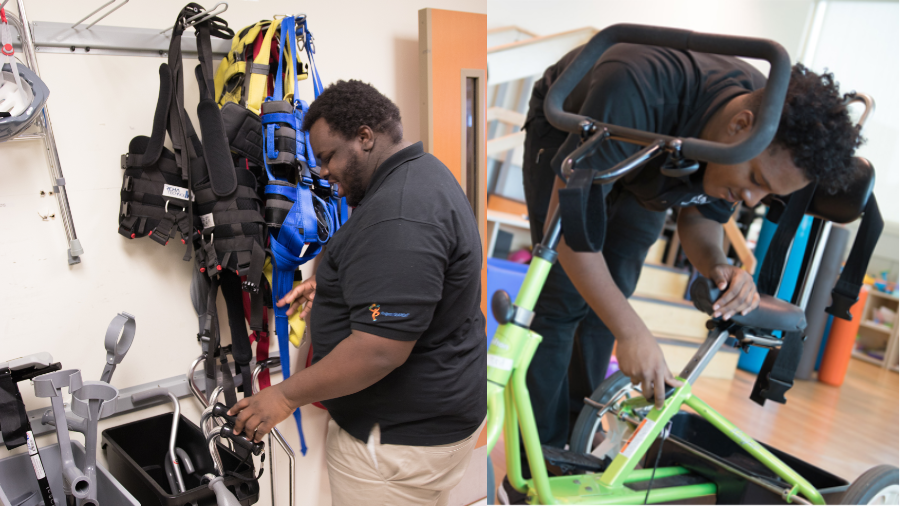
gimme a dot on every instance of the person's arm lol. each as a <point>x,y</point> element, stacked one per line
<point>357,362</point>
<point>702,239</point>
<point>639,355</point>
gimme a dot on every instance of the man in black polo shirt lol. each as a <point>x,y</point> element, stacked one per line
<point>397,329</point>
<point>676,93</point>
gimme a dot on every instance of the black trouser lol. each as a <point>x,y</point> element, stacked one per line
<point>560,309</point>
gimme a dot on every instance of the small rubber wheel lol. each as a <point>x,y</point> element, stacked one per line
<point>588,423</point>
<point>879,485</point>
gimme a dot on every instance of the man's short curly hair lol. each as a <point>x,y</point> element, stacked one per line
<point>815,128</point>
<point>348,105</point>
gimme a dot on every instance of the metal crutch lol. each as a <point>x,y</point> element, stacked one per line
<point>75,482</point>
<point>93,401</point>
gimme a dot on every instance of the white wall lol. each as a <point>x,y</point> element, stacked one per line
<point>781,20</point>
<point>859,44</point>
<point>98,103</point>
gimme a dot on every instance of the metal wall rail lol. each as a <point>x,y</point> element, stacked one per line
<point>45,133</point>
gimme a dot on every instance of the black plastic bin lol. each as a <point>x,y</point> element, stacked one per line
<point>136,452</point>
<point>701,435</point>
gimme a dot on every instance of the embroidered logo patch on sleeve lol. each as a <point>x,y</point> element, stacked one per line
<point>376,312</point>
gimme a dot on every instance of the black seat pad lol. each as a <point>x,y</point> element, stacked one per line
<point>772,313</point>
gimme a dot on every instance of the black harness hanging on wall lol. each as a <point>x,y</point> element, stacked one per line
<point>777,373</point>
<point>222,213</point>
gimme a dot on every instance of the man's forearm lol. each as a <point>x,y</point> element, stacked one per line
<point>701,239</point>
<point>590,275</point>
<point>350,367</point>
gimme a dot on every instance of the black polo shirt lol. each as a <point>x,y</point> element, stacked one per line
<point>407,266</point>
<point>658,90</point>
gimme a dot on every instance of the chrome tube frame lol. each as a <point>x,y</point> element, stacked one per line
<point>56,176</point>
<point>282,442</point>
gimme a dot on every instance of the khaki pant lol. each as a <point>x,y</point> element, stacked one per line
<point>406,475</point>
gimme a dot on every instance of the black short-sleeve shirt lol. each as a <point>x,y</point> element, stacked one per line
<point>654,89</point>
<point>407,266</point>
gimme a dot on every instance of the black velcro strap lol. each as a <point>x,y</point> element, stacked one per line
<point>257,322</point>
<point>215,143</point>
<point>776,256</point>
<point>776,376</point>
<point>160,118</point>
<point>13,417</point>
<point>582,208</point>
<point>244,131</point>
<point>257,68</point>
<point>243,192</point>
<point>240,340</point>
<point>223,218</point>
<point>277,106</point>
<point>846,291</point>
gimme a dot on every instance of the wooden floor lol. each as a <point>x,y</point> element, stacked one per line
<point>844,430</point>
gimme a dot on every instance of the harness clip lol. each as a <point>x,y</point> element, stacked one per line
<point>128,184</point>
<point>125,210</point>
<point>124,161</point>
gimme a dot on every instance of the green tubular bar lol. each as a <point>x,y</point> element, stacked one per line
<point>623,465</point>
<point>495,406</point>
<point>662,472</point>
<point>586,489</point>
<point>755,449</point>
<point>506,350</point>
<point>511,439</point>
<point>528,426</point>
<point>628,496</point>
<point>534,282</point>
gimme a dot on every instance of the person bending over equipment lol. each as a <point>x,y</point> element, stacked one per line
<point>397,329</point>
<point>676,93</point>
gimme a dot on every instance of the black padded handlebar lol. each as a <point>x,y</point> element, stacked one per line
<point>764,128</point>
<point>221,411</point>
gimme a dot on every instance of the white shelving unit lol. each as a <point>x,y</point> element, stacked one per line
<point>512,223</point>
<point>878,335</point>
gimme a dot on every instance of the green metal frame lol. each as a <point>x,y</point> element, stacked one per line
<point>509,409</point>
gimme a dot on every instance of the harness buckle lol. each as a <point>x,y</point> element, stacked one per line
<point>167,207</point>
<point>128,184</point>
<point>124,161</point>
<point>125,211</point>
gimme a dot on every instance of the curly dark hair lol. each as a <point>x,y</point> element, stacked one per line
<point>815,128</point>
<point>348,105</point>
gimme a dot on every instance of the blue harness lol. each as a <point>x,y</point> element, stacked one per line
<point>311,220</point>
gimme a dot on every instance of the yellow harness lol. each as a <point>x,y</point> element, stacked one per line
<point>231,82</point>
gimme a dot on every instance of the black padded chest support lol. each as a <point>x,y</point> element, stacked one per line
<point>776,376</point>
<point>771,315</point>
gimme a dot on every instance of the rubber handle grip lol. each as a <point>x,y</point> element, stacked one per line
<point>243,442</point>
<point>220,410</point>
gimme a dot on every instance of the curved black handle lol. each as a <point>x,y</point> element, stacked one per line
<point>221,411</point>
<point>764,128</point>
<point>243,442</point>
